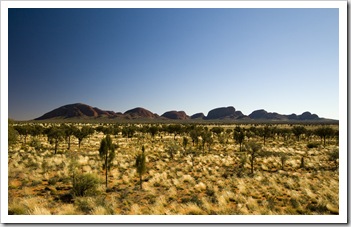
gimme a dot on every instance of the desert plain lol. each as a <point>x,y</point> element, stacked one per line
<point>189,169</point>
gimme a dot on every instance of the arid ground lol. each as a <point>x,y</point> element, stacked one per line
<point>280,173</point>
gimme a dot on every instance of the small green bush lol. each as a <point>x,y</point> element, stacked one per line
<point>36,182</point>
<point>12,135</point>
<point>65,180</point>
<point>36,144</point>
<point>53,181</point>
<point>294,203</point>
<point>85,184</point>
<point>334,157</point>
<point>32,164</point>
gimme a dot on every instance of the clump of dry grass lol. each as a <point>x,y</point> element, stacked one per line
<point>67,209</point>
<point>31,205</point>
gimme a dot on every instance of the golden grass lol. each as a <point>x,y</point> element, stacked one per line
<point>175,186</point>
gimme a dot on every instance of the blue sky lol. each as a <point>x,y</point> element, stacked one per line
<point>195,60</point>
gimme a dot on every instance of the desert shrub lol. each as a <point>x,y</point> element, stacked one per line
<point>86,205</point>
<point>317,208</point>
<point>45,166</point>
<point>85,184</point>
<point>53,180</point>
<point>271,205</point>
<point>242,163</point>
<point>35,182</point>
<point>140,165</point>
<point>267,153</point>
<point>65,180</point>
<point>101,201</point>
<point>172,150</point>
<point>185,142</point>
<point>312,145</point>
<point>196,200</point>
<point>66,198</point>
<point>17,209</point>
<point>25,182</point>
<point>294,203</point>
<point>24,147</point>
<point>334,157</point>
<point>283,159</point>
<point>12,135</point>
<point>265,181</point>
<point>192,154</point>
<point>36,144</point>
<point>32,164</point>
<point>210,191</point>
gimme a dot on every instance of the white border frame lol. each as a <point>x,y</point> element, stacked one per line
<point>341,218</point>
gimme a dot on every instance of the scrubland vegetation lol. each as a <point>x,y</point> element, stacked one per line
<point>185,169</point>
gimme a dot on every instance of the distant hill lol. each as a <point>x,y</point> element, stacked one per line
<point>77,110</point>
<point>176,115</point>
<point>140,113</point>
<point>83,111</point>
<point>262,114</point>
<point>197,116</point>
<point>224,113</point>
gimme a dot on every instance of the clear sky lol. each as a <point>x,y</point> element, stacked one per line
<point>195,60</point>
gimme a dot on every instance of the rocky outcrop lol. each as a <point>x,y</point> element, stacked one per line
<point>223,113</point>
<point>197,116</point>
<point>77,110</point>
<point>175,115</point>
<point>140,113</point>
<point>264,115</point>
<point>308,116</point>
<point>80,110</point>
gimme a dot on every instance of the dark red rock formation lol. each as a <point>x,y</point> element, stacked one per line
<point>176,115</point>
<point>76,110</point>
<point>140,113</point>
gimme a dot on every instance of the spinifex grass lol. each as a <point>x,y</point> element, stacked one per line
<point>218,181</point>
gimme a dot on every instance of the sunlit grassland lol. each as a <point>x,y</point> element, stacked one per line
<point>207,181</point>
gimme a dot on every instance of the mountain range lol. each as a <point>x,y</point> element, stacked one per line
<point>83,111</point>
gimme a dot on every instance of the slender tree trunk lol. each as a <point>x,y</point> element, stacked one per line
<point>252,163</point>
<point>302,165</point>
<point>141,181</point>
<point>74,178</point>
<point>106,169</point>
<point>252,167</point>
<point>56,145</point>
<point>69,142</point>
